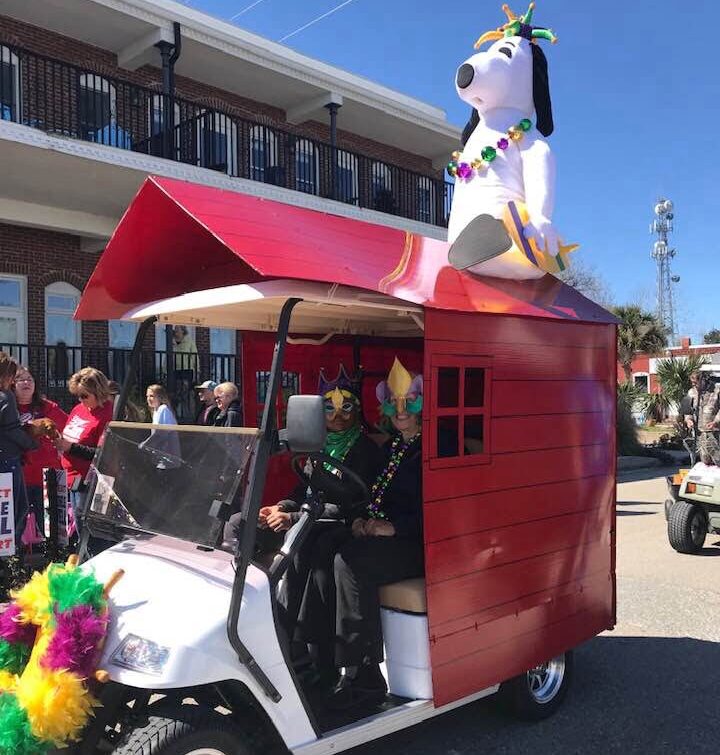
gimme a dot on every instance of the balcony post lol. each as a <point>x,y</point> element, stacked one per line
<point>332,108</point>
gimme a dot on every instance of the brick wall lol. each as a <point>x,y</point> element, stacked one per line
<point>104,62</point>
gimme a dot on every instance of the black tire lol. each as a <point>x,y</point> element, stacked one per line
<point>179,731</point>
<point>687,527</point>
<point>538,693</point>
<point>669,503</point>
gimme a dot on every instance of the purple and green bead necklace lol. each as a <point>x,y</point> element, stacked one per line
<point>458,168</point>
<point>398,449</point>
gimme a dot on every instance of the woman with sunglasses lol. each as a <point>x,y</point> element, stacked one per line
<point>33,405</point>
<point>84,429</point>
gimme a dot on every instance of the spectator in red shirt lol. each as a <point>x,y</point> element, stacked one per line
<point>84,429</point>
<point>32,405</point>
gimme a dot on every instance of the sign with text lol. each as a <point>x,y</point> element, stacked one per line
<point>55,494</point>
<point>7,515</point>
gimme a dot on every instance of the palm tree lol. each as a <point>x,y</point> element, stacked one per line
<point>638,332</point>
<point>673,376</point>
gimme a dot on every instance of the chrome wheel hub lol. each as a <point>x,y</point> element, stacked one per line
<point>545,680</point>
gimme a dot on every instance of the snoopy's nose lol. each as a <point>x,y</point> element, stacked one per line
<point>465,75</point>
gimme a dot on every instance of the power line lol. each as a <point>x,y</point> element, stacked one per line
<point>246,9</point>
<point>315,20</point>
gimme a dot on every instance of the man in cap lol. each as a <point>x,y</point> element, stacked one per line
<point>208,407</point>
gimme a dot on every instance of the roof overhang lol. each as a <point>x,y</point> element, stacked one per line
<point>177,238</point>
<point>223,55</point>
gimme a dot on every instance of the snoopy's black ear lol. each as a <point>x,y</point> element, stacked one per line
<point>541,92</point>
<point>470,127</point>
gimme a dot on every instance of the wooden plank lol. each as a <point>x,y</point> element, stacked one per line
<point>510,471</point>
<point>453,681</point>
<point>515,398</point>
<point>454,517</point>
<point>522,617</point>
<point>492,548</point>
<point>516,330</point>
<point>459,600</point>
<point>534,362</point>
<point>532,433</point>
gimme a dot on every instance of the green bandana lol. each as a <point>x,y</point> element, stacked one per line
<point>339,444</point>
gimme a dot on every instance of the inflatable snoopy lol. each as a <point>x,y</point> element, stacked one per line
<point>501,216</point>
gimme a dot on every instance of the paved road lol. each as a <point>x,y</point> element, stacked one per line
<point>650,687</point>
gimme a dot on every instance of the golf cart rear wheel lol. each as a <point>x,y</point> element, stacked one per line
<point>687,527</point>
<point>187,730</point>
<point>539,692</point>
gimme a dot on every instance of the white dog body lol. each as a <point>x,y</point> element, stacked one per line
<point>501,91</point>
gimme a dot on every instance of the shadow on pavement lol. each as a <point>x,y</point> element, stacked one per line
<point>637,513</point>
<point>631,695</point>
<point>648,473</point>
<point>639,503</point>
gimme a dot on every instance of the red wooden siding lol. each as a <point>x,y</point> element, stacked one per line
<point>520,549</point>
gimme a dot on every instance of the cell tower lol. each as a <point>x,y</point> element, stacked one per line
<point>661,226</point>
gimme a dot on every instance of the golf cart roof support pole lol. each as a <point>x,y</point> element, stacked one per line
<point>119,407</point>
<point>246,539</point>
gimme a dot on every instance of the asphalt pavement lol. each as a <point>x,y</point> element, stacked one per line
<point>649,687</point>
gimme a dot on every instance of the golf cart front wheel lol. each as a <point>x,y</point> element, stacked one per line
<point>687,527</point>
<point>187,730</point>
<point>539,692</point>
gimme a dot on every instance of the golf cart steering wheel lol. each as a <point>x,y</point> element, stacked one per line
<point>349,477</point>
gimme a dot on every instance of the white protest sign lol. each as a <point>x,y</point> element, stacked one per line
<point>7,515</point>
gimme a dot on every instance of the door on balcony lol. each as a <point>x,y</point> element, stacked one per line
<point>97,112</point>
<point>157,128</point>
<point>426,209</point>
<point>264,156</point>
<point>62,334</point>
<point>307,167</point>
<point>9,85</point>
<point>346,177</point>
<point>217,142</point>
<point>382,189</point>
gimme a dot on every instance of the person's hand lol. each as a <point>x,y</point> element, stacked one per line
<point>265,512</point>
<point>379,528</point>
<point>278,520</point>
<point>689,422</point>
<point>62,444</point>
<point>359,528</point>
<point>712,425</point>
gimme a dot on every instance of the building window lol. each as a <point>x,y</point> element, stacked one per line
<point>217,142</point>
<point>426,210</point>
<point>346,177</point>
<point>222,355</point>
<point>62,333</point>
<point>382,195</point>
<point>9,85</point>
<point>13,309</point>
<point>121,334</point>
<point>307,167</point>
<point>264,156</point>
<point>461,406</point>
<point>289,386</point>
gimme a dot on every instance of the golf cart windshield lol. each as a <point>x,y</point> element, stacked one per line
<point>170,480</point>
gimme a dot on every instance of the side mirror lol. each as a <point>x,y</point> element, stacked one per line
<point>306,431</point>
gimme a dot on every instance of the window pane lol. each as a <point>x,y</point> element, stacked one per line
<point>474,435</point>
<point>9,293</point>
<point>7,87</point>
<point>9,330</point>
<point>60,328</point>
<point>122,334</point>
<point>222,341</point>
<point>447,437</point>
<point>58,302</point>
<point>448,386</point>
<point>474,386</point>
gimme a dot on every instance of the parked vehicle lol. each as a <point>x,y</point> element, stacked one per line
<point>519,510</point>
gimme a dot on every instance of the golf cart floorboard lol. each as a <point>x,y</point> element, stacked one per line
<point>329,721</point>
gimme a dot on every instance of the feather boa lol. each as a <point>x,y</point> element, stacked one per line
<point>50,641</point>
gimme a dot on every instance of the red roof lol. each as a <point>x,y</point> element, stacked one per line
<point>177,237</point>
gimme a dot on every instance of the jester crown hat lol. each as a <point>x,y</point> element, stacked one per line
<point>399,384</point>
<point>342,383</point>
<point>517,26</point>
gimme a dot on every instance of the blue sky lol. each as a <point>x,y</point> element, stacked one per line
<point>636,104</point>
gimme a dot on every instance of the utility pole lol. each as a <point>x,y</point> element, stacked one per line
<point>662,226</point>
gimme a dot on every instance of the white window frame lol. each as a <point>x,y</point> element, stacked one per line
<point>20,313</point>
<point>8,56</point>
<point>425,184</point>
<point>268,140</point>
<point>60,288</point>
<point>349,162</point>
<point>307,148</point>
<point>230,134</point>
<point>104,86</point>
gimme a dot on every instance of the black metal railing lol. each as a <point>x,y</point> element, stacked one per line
<point>65,99</point>
<point>52,367</point>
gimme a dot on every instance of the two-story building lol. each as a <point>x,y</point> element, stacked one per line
<point>97,94</point>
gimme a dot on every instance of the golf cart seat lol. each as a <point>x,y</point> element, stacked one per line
<point>407,596</point>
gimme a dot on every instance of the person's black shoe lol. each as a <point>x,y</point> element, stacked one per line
<point>366,688</point>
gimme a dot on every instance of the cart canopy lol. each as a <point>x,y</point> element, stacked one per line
<point>178,237</point>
